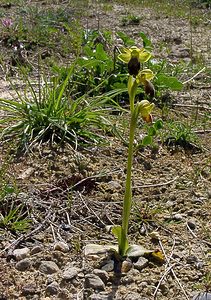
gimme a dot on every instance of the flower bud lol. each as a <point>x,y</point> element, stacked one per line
<point>149,88</point>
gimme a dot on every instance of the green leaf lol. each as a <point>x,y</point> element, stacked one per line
<point>158,124</point>
<point>170,82</point>
<point>117,232</point>
<point>146,42</point>
<point>147,140</point>
<point>152,131</point>
<point>126,39</point>
<point>100,53</point>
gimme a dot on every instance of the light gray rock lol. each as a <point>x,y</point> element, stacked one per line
<point>100,296</point>
<point>52,288</point>
<point>141,263</point>
<point>109,266</point>
<point>102,274</point>
<point>134,296</point>
<point>178,217</point>
<point>20,254</point>
<point>36,249</point>
<point>70,272</point>
<point>23,264</point>
<point>48,267</point>
<point>202,296</point>
<point>94,281</point>
<point>61,246</point>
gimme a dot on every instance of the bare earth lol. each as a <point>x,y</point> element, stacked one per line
<point>73,195</point>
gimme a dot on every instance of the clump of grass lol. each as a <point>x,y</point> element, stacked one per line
<point>47,111</point>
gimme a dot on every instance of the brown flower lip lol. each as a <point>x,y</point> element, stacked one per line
<point>134,66</point>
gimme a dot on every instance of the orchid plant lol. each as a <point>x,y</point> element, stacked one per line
<point>135,58</point>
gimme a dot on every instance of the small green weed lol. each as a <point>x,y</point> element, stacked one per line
<point>179,134</point>
<point>130,20</point>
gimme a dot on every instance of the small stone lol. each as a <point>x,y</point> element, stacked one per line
<point>202,296</point>
<point>100,296</point>
<point>114,185</point>
<point>48,267</point>
<point>70,272</point>
<point>29,289</point>
<point>178,217</point>
<point>108,266</point>
<point>94,281</point>
<point>23,264</point>
<point>126,266</point>
<point>27,173</point>
<point>102,274</point>
<point>170,203</point>
<point>61,246</point>
<point>20,254</point>
<point>36,249</point>
<point>199,265</point>
<point>52,288</point>
<point>191,259</point>
<point>141,263</point>
<point>191,223</point>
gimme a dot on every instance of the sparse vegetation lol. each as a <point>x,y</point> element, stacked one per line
<point>66,124</point>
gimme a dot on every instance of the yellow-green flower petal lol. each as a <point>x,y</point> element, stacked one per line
<point>140,53</point>
<point>144,56</point>
<point>125,56</point>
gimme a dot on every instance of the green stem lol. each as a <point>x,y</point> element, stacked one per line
<point>128,189</point>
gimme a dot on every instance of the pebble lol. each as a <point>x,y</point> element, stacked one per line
<point>102,274</point>
<point>134,296</point>
<point>108,266</point>
<point>52,288</point>
<point>126,266</point>
<point>191,259</point>
<point>141,263</point>
<point>23,264</point>
<point>36,249</point>
<point>114,185</point>
<point>191,223</point>
<point>202,296</point>
<point>48,267</point>
<point>29,289</point>
<point>100,296</point>
<point>20,254</point>
<point>70,272</point>
<point>178,217</point>
<point>61,246</point>
<point>94,281</point>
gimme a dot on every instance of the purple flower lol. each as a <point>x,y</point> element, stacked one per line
<point>7,22</point>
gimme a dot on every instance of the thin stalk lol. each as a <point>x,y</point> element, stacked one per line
<point>128,189</point>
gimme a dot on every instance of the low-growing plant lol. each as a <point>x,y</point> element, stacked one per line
<point>48,110</point>
<point>130,20</point>
<point>178,133</point>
